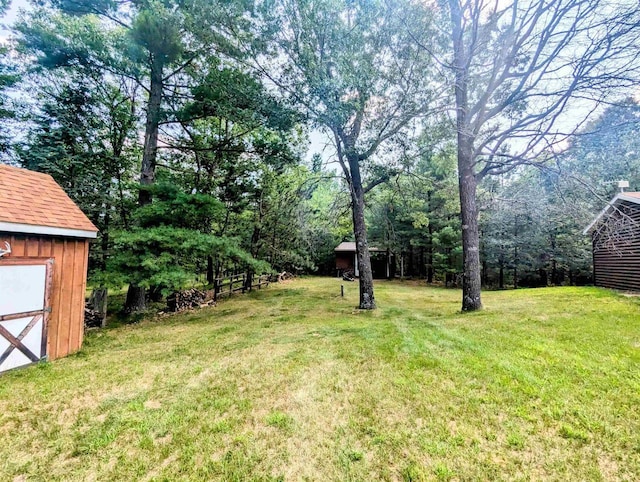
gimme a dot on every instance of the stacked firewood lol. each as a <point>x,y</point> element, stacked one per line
<point>95,309</point>
<point>191,298</point>
<point>92,318</point>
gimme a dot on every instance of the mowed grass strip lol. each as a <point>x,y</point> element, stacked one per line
<point>293,383</point>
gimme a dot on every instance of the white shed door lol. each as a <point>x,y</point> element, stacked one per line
<point>23,312</point>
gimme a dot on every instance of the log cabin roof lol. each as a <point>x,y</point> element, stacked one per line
<point>632,197</point>
<point>34,203</point>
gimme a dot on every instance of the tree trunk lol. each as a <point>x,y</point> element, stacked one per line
<point>149,155</point>
<point>430,271</point>
<point>515,252</point>
<point>136,294</point>
<point>135,301</point>
<point>104,243</point>
<point>98,303</point>
<point>210,275</point>
<point>471,289</point>
<point>471,282</point>
<point>367,300</point>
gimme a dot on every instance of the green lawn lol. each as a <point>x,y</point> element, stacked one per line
<point>293,383</point>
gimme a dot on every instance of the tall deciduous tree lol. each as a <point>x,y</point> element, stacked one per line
<point>354,71</point>
<point>517,67</point>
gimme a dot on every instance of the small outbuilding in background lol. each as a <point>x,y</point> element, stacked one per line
<point>382,262</point>
<point>44,248</point>
<point>615,236</point>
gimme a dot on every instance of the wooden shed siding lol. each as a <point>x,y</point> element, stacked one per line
<point>344,260</point>
<point>65,330</point>
<point>616,250</point>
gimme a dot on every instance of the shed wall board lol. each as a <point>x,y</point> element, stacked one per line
<point>616,259</point>
<point>65,329</point>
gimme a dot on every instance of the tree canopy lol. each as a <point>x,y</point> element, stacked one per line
<point>470,141</point>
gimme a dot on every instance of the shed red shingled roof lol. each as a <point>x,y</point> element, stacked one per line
<point>34,198</point>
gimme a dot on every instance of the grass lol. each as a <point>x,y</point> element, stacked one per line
<point>293,383</point>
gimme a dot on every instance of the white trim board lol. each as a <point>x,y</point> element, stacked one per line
<point>46,230</point>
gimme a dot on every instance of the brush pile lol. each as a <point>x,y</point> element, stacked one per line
<point>285,275</point>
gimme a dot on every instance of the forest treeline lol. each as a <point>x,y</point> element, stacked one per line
<point>182,129</point>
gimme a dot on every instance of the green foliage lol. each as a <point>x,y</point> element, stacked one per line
<point>242,84</point>
<point>172,207</point>
<point>156,28</point>
<point>9,77</point>
<point>172,241</point>
<point>169,257</point>
<point>528,237</point>
<point>417,215</point>
<point>79,133</point>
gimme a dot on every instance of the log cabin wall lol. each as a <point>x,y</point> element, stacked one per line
<point>616,249</point>
<point>65,330</point>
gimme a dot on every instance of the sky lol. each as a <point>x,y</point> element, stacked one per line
<point>11,16</point>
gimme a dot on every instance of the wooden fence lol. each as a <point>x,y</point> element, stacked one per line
<point>238,282</point>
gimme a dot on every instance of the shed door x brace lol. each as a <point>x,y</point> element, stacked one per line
<point>25,286</point>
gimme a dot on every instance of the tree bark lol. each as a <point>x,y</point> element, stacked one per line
<point>467,181</point>
<point>98,303</point>
<point>150,153</point>
<point>515,253</point>
<point>104,243</point>
<point>210,274</point>
<point>136,299</point>
<point>471,282</point>
<point>136,295</point>
<point>367,299</point>
<point>430,271</point>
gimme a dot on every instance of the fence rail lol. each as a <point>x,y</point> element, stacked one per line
<point>238,282</point>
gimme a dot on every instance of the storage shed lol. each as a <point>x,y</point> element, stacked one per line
<point>382,263</point>
<point>44,247</point>
<point>615,236</point>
